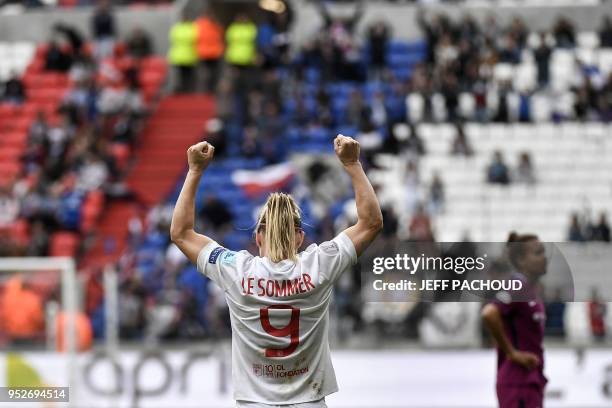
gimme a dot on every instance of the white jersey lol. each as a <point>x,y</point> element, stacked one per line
<point>279,314</point>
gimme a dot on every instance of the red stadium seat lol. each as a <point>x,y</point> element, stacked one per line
<point>9,171</point>
<point>8,110</point>
<point>157,64</point>
<point>152,78</point>
<point>14,139</point>
<point>91,210</point>
<point>10,153</point>
<point>19,231</point>
<point>119,50</point>
<point>41,96</point>
<point>121,154</point>
<point>36,66</point>
<point>29,109</point>
<point>41,51</point>
<point>67,3</point>
<point>88,49</point>
<point>64,244</point>
<point>21,124</point>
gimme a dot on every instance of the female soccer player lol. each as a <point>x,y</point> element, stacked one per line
<point>279,301</point>
<point>517,325</point>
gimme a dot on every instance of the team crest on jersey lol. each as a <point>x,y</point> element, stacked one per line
<point>257,370</point>
<point>214,255</point>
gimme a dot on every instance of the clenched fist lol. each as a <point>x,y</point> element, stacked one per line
<point>200,155</point>
<point>347,149</point>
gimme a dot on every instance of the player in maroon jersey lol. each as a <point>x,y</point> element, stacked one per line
<point>516,322</point>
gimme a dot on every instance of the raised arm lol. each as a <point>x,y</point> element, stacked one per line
<point>327,20</point>
<point>369,217</point>
<point>182,230</point>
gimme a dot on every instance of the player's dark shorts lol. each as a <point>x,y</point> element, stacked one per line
<point>520,396</point>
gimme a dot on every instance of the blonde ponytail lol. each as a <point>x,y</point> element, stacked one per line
<point>279,221</point>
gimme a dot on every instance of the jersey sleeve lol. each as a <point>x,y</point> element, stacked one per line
<point>504,303</point>
<point>336,256</point>
<point>221,265</point>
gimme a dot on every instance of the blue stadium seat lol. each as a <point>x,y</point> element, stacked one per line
<point>318,134</point>
<point>402,74</point>
<point>312,75</point>
<point>399,47</point>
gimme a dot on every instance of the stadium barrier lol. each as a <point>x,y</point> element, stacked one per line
<point>391,378</point>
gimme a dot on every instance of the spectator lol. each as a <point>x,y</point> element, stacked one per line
<point>56,59</point>
<point>103,30</point>
<point>341,26</point>
<point>433,31</point>
<point>378,110</point>
<point>33,157</point>
<point>14,91</point>
<point>82,70</point>
<point>9,208</point>
<point>131,309</point>
<point>503,111</point>
<point>39,242</point>
<point>601,231</point>
<point>92,174</point>
<point>139,44</point>
<point>597,315</point>
<point>436,194</point>
<point>391,223</point>
<point>216,134</point>
<point>497,171</point>
<point>210,48</point>
<point>324,109</point>
<point>215,213</point>
<point>450,91</point>
<point>564,33</point>
<point>468,29</point>
<point>555,311</point>
<point>413,143</point>
<point>411,178</point>
<point>371,141</point>
<point>240,37</point>
<point>518,32</point>
<point>420,226</point>
<point>73,36</point>
<point>605,33</point>
<point>182,54</point>
<point>357,111</point>
<point>461,145</point>
<point>345,54</point>
<point>378,40</point>
<point>266,37</point>
<point>525,172</point>
<point>542,58</point>
<point>491,29</point>
<point>22,312</point>
<point>509,50</point>
<point>575,232</point>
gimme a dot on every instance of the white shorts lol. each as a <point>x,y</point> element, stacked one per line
<point>312,404</point>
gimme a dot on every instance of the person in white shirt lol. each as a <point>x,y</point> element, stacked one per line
<point>279,300</point>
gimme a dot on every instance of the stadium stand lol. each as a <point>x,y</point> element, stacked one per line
<point>571,165</point>
<point>442,106</point>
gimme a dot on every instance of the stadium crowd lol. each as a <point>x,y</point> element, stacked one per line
<point>274,97</point>
<point>83,99</point>
<point>271,97</point>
